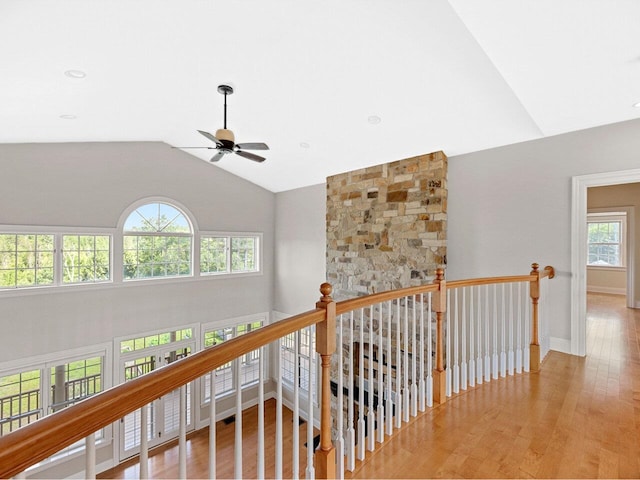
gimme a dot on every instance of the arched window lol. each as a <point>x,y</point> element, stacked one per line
<point>157,242</point>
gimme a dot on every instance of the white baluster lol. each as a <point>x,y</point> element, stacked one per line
<point>279,439</point>
<point>380,373</point>
<point>351,434</point>
<point>503,333</point>
<point>510,333</point>
<point>414,358</point>
<point>422,385</point>
<point>479,329</point>
<point>212,426</point>
<point>487,333</point>
<point>90,456</point>
<point>371,439</point>
<point>456,342</point>
<point>144,443</point>
<point>527,327</point>
<point>429,353</point>
<point>405,363</point>
<point>520,320</point>
<point>496,358</point>
<point>399,370</point>
<point>472,340</point>
<point>260,466</point>
<point>389,386</point>
<point>464,381</point>
<point>238,423</point>
<point>296,408</point>
<point>182,434</point>
<point>340,409</point>
<point>361,422</point>
<point>447,348</point>
<point>310,471</point>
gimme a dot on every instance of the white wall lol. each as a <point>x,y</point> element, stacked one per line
<point>511,206</point>
<point>91,184</point>
<point>300,239</point>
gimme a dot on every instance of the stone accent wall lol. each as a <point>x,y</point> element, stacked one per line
<point>386,225</point>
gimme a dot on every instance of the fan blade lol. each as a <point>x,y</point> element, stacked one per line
<point>217,157</point>
<point>184,148</point>
<point>211,137</point>
<point>250,156</point>
<point>252,146</point>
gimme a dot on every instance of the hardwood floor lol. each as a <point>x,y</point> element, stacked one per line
<point>577,418</point>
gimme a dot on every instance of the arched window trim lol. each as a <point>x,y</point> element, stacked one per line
<point>119,241</point>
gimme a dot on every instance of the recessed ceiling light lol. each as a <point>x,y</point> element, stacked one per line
<point>637,105</point>
<point>68,117</point>
<point>75,74</point>
<point>304,145</point>
<point>374,119</point>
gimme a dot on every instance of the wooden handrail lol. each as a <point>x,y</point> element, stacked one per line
<point>41,439</point>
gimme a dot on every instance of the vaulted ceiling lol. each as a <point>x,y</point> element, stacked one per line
<point>330,85</point>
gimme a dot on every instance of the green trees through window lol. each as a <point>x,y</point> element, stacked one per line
<point>156,243</point>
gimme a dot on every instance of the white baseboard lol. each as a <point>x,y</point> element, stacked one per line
<point>609,290</point>
<point>560,345</point>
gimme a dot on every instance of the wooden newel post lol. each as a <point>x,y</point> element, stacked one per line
<point>440,306</point>
<point>534,348</point>
<point>325,456</point>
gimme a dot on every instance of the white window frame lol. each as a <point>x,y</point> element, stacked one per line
<point>233,324</point>
<point>608,217</point>
<point>44,363</point>
<point>131,233</point>
<point>58,261</point>
<point>229,236</point>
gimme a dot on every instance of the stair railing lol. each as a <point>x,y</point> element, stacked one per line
<point>383,358</point>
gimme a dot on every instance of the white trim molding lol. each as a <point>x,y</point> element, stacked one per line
<point>580,184</point>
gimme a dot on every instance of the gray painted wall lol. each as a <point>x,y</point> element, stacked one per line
<point>300,260</point>
<point>511,206</point>
<point>90,185</point>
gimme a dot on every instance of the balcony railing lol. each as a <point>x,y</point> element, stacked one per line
<point>394,354</point>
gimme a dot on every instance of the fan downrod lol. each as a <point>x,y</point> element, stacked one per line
<point>225,89</point>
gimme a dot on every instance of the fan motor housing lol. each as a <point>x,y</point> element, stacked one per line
<point>226,137</point>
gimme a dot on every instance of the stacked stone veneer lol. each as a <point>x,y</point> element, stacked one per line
<point>386,225</point>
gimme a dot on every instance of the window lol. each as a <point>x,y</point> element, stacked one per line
<point>606,233</point>
<point>305,363</point>
<point>26,260</point>
<point>249,366</point>
<point>86,258</point>
<point>41,259</point>
<point>32,392</point>
<point>229,254</point>
<point>157,242</point>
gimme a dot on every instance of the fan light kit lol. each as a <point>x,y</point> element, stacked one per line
<point>225,139</point>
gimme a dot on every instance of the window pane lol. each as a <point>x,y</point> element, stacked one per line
<point>26,260</point>
<point>85,258</point>
<point>75,381</point>
<point>243,254</point>
<point>20,402</point>
<point>604,243</point>
<point>213,254</point>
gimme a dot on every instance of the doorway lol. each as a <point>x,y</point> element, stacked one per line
<point>163,414</point>
<point>580,185</point>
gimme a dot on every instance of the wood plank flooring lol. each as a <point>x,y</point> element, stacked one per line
<point>577,418</point>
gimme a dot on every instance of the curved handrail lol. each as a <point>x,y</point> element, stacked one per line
<point>41,439</point>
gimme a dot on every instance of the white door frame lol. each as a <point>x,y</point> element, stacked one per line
<point>580,184</point>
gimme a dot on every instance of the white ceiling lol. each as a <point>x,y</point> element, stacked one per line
<point>458,75</point>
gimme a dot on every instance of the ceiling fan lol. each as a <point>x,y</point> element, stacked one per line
<point>225,140</point>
